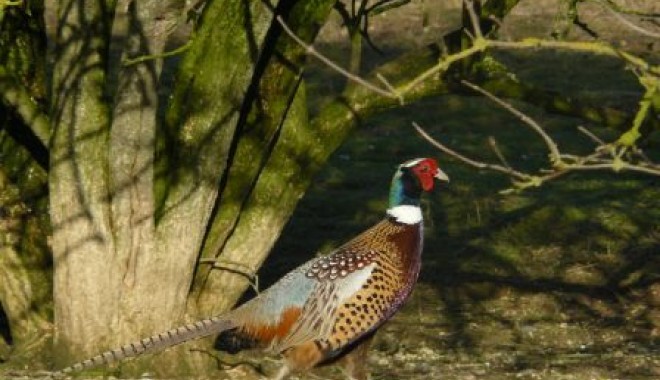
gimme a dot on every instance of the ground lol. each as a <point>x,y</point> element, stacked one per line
<point>560,282</point>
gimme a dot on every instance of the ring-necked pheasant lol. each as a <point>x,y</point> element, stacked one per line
<point>328,308</point>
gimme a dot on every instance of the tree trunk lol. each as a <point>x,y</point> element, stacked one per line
<point>86,276</point>
<point>151,284</point>
<point>124,265</point>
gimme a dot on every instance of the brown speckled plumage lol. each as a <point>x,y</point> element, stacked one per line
<point>394,249</point>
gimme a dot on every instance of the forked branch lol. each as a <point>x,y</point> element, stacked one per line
<point>309,49</point>
<point>555,156</point>
<point>605,156</point>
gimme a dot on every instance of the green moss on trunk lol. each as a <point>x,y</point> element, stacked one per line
<point>275,108</point>
<point>25,268</point>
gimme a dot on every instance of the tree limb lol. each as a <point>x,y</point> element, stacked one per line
<point>603,157</point>
<point>624,21</point>
<point>16,97</point>
<point>472,162</point>
<point>309,49</point>
<point>555,157</point>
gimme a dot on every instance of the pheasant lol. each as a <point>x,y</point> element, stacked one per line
<point>328,309</point>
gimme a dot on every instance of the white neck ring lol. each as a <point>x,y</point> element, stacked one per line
<point>406,214</point>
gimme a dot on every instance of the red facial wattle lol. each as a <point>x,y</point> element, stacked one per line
<point>426,171</point>
<point>427,182</point>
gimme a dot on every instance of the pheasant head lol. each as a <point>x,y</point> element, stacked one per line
<point>410,180</point>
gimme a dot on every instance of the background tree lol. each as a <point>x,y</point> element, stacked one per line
<point>153,186</point>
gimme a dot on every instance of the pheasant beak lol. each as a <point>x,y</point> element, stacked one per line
<point>440,175</point>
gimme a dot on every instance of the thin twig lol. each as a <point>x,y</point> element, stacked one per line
<point>590,134</point>
<point>630,11</point>
<point>569,163</point>
<point>133,61</point>
<point>246,271</point>
<point>311,51</point>
<point>389,86</point>
<point>555,156</point>
<point>627,22</point>
<point>469,34</point>
<point>477,164</point>
<point>655,170</point>
<point>640,153</point>
<point>601,147</point>
<point>496,149</point>
<point>442,65</point>
<point>474,19</point>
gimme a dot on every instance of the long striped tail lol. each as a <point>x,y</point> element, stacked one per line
<point>154,343</point>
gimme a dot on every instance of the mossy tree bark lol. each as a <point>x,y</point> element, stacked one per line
<point>118,265</point>
<point>25,289</point>
<point>260,190</point>
<point>25,267</point>
<point>85,276</point>
<point>130,223</point>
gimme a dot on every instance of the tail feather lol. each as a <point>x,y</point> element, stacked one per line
<point>154,343</point>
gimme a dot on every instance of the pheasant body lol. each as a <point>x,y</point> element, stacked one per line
<point>392,250</point>
<point>329,307</point>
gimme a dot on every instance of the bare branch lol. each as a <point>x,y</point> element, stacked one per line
<point>442,65</point>
<point>478,45</point>
<point>311,51</point>
<point>474,18</point>
<point>389,87</point>
<point>608,6</point>
<point>181,49</point>
<point>236,267</point>
<point>16,96</point>
<point>477,164</point>
<point>653,170</point>
<point>628,11</point>
<point>555,157</point>
<point>606,156</point>
<point>590,134</point>
<point>496,149</point>
<point>628,138</point>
